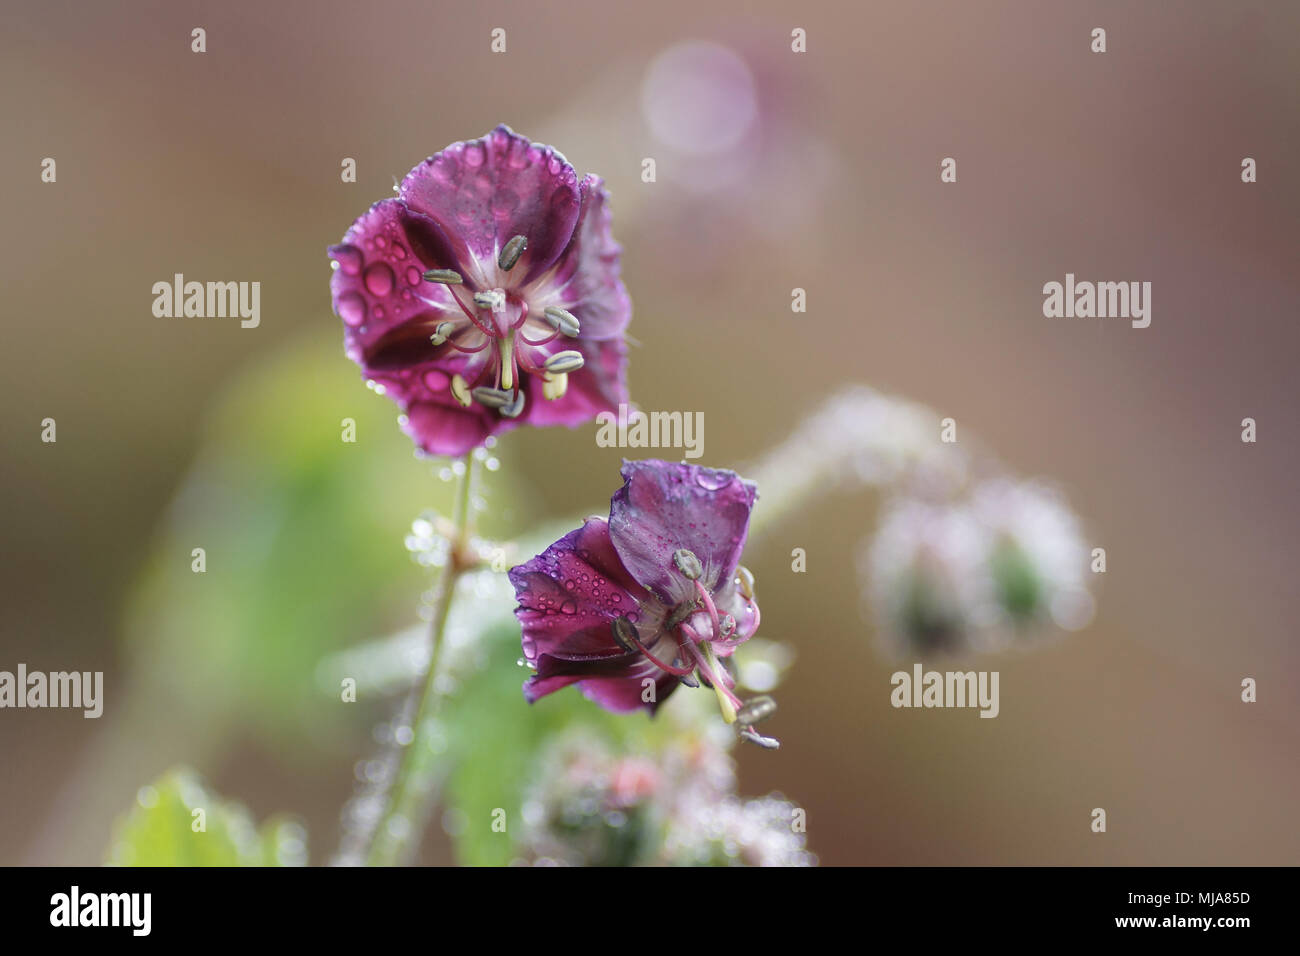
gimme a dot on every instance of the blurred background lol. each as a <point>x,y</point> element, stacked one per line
<point>775,170</point>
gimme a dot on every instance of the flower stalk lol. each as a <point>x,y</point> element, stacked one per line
<point>397,836</point>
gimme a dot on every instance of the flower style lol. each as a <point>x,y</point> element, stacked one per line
<point>487,294</point>
<point>654,597</point>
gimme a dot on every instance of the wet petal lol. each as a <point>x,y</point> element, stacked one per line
<point>378,284</point>
<point>484,192</point>
<point>599,386</point>
<point>629,693</point>
<point>571,593</point>
<point>445,428</point>
<point>586,278</point>
<point>664,506</point>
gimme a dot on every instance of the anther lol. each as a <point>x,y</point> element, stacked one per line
<point>511,253</point>
<point>493,300</point>
<point>445,276</point>
<point>492,397</point>
<point>726,626</point>
<point>624,633</point>
<point>745,579</point>
<point>562,320</point>
<point>460,391</point>
<point>767,743</point>
<point>515,407</point>
<point>566,361</point>
<point>688,564</point>
<point>441,333</point>
<point>554,386</point>
<point>680,613</point>
<point>756,710</point>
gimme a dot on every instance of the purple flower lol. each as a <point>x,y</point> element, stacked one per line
<point>487,295</point>
<point>631,607</point>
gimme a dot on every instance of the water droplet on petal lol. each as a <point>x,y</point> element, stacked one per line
<point>379,279</point>
<point>504,202</point>
<point>712,480</point>
<point>352,308</point>
<point>349,259</point>
<point>568,607</point>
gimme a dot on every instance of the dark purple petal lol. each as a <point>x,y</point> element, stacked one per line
<point>486,191</point>
<point>444,428</point>
<point>664,506</point>
<point>568,597</point>
<point>571,592</point>
<point>586,277</point>
<point>599,386</point>
<point>378,284</point>
<point>626,694</point>
<point>379,290</point>
<point>617,684</point>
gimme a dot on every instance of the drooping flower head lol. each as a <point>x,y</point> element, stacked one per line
<point>978,573</point>
<point>654,597</point>
<point>673,803</point>
<point>487,294</point>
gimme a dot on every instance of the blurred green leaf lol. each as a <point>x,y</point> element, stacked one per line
<point>163,829</point>
<point>495,736</point>
<point>303,538</point>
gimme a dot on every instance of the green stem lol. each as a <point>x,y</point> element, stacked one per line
<point>399,831</point>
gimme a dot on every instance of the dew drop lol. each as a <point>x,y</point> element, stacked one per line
<point>379,279</point>
<point>568,607</point>
<point>349,259</point>
<point>504,202</point>
<point>444,168</point>
<point>352,308</point>
<point>413,276</point>
<point>712,480</point>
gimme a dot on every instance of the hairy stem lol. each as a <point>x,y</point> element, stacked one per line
<point>398,834</point>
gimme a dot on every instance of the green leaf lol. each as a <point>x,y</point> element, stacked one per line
<point>177,821</point>
<point>303,544</point>
<point>495,737</point>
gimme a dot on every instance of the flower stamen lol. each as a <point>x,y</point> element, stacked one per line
<point>707,599</point>
<point>554,386</point>
<point>460,391</point>
<point>625,636</point>
<point>562,320</point>
<point>511,252</point>
<point>569,360</point>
